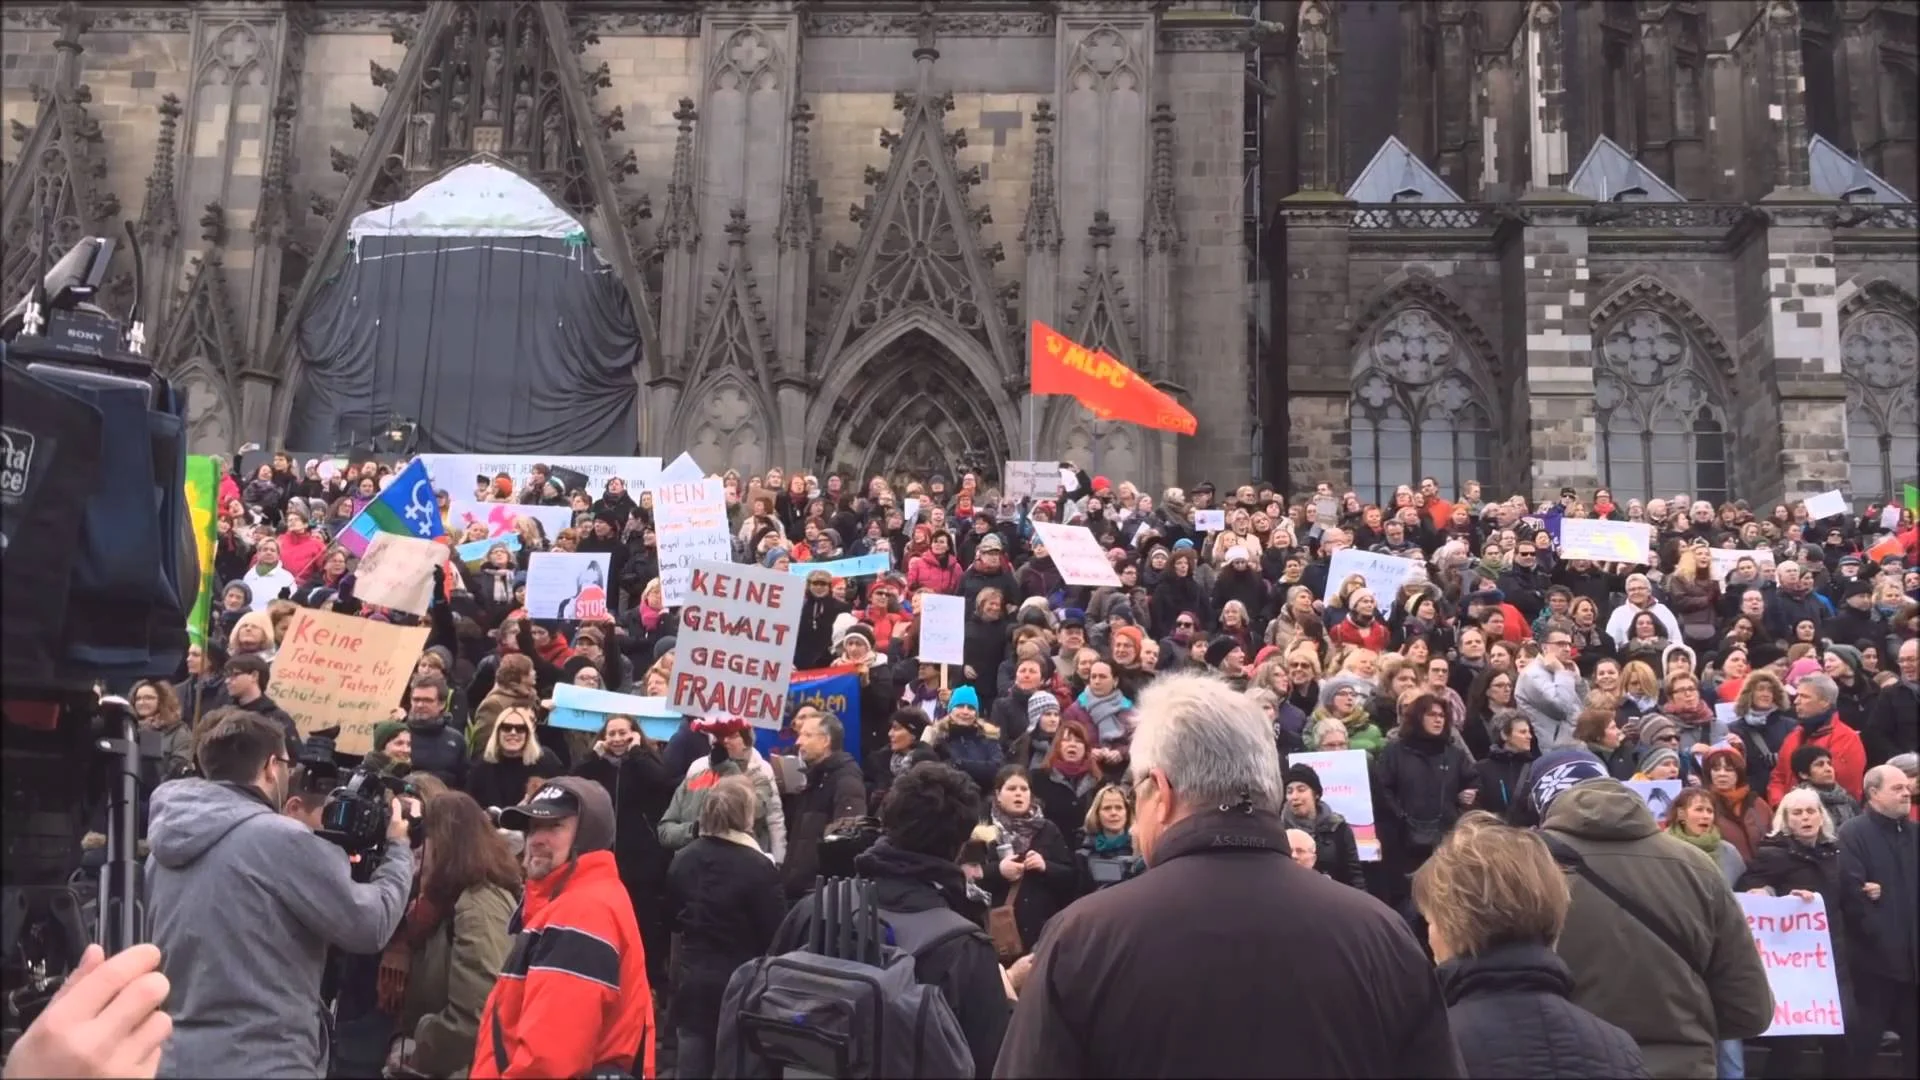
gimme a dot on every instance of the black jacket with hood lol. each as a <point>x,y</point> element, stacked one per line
<point>1512,1020</point>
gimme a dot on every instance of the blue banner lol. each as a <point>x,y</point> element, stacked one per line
<point>864,566</point>
<point>835,691</point>
<point>476,553</point>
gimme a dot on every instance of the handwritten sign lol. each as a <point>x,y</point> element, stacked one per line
<point>1076,554</point>
<point>568,584</point>
<point>735,651</point>
<point>864,566</point>
<point>1827,504</point>
<point>1347,791</point>
<point>692,520</point>
<point>1032,479</point>
<point>1725,559</point>
<point>684,470</point>
<point>499,517</point>
<point>1210,520</point>
<point>1383,573</point>
<point>1796,948</point>
<point>340,671</point>
<point>943,629</point>
<point>1326,511</point>
<point>910,511</point>
<point>397,572</point>
<point>1890,517</point>
<point>582,708</point>
<point>1606,541</point>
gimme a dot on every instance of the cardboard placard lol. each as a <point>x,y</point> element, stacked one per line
<point>568,585</point>
<point>582,708</point>
<point>499,517</point>
<point>691,520</point>
<point>735,651</point>
<point>1826,504</point>
<point>683,470</point>
<point>397,572</point>
<point>943,629</point>
<point>1796,948</point>
<point>862,566</point>
<point>1032,479</point>
<point>336,670</point>
<point>1347,791</point>
<point>1210,520</point>
<point>1606,541</point>
<point>1723,560</point>
<point>1383,573</point>
<point>455,474</point>
<point>1076,554</point>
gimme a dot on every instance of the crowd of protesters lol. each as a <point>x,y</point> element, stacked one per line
<point>1772,692</point>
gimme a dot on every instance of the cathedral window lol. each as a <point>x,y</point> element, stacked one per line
<point>1878,355</point>
<point>1419,408</point>
<point>1662,422</point>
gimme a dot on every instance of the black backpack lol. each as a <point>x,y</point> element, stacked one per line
<point>849,1003</point>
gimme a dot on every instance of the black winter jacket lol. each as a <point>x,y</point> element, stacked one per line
<point>725,900</point>
<point>1511,1018</point>
<point>441,749</point>
<point>1783,864</point>
<point>641,787</point>
<point>835,790</point>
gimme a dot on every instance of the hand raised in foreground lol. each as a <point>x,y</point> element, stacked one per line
<point>105,1021</point>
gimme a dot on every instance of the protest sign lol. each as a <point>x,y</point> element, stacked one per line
<point>1890,517</point>
<point>472,555</point>
<point>202,488</point>
<point>1723,560</point>
<point>1210,520</point>
<point>1346,790</point>
<point>1658,795</point>
<point>910,510</point>
<point>336,670</point>
<point>499,517</point>
<point>397,572</point>
<point>735,649</point>
<point>460,474</point>
<point>683,470</point>
<point>943,629</point>
<point>691,526</point>
<point>582,708</point>
<point>1796,948</point>
<point>1076,554</point>
<point>1032,479</point>
<point>1326,511</point>
<point>1826,504</point>
<point>568,584</point>
<point>833,690</point>
<point>1384,574</point>
<point>1606,541</point>
<point>864,566</point>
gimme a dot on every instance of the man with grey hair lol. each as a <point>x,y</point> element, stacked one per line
<point>1640,598</point>
<point>1338,987</point>
<point>1815,705</point>
<point>1879,863</point>
<point>1792,600</point>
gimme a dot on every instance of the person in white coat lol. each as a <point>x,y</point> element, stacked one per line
<point>1639,599</point>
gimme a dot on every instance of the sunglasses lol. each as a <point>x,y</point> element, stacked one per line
<point>508,729</point>
<point>1183,625</point>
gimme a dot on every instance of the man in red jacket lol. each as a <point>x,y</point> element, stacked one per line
<point>1814,698</point>
<point>573,998</point>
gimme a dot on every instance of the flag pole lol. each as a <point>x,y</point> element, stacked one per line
<point>1032,429</point>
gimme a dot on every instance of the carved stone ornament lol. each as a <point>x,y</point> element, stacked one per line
<point>637,23</point>
<point>949,23</point>
<point>141,19</point>
<point>1207,39</point>
<point>349,19</point>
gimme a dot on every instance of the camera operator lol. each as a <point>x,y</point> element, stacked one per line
<point>245,901</point>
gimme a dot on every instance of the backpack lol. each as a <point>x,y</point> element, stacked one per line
<point>849,1002</point>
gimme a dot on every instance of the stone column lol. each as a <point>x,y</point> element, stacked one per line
<point>1316,89</point>
<point>1040,237</point>
<point>1316,376</point>
<point>1104,74</point>
<point>1785,88</point>
<point>1455,92</point>
<point>752,53</point>
<point>793,291</point>
<point>1656,86</point>
<point>1548,350</point>
<point>1546,81</point>
<point>1417,84</point>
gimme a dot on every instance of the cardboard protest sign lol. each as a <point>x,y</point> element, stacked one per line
<point>568,585</point>
<point>1606,541</point>
<point>691,526</point>
<point>397,572</point>
<point>1796,948</point>
<point>1658,795</point>
<point>1076,554</point>
<point>1723,560</point>
<point>1384,574</point>
<point>735,650</point>
<point>1326,510</point>
<point>1032,479</point>
<point>336,670</point>
<point>943,629</point>
<point>1347,791</point>
<point>1827,504</point>
<point>682,470</point>
<point>1210,520</point>
<point>1890,517</point>
<point>582,708</point>
<point>862,566</point>
<point>910,510</point>
<point>499,517</point>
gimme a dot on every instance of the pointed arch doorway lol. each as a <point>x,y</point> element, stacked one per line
<point>910,410</point>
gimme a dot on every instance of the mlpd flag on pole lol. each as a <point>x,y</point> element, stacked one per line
<point>406,508</point>
<point>1107,387</point>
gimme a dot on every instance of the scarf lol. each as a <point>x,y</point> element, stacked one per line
<point>1039,743</point>
<point>1322,817</point>
<point>1079,778</point>
<point>1755,736</point>
<point>650,617</point>
<point>1109,845</point>
<point>1708,841</point>
<point>396,960</point>
<point>899,761</point>
<point>1019,831</point>
<point>1109,723</point>
<point>1836,803</point>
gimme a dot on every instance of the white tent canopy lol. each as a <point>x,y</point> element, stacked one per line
<point>476,199</point>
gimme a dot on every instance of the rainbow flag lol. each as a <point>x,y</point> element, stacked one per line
<point>406,508</point>
<point>203,498</point>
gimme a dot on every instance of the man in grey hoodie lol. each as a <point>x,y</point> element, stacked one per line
<point>244,902</point>
<point>1548,691</point>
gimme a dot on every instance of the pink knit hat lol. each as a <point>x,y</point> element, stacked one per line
<point>1801,668</point>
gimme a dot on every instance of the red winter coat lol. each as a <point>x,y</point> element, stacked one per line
<point>924,573</point>
<point>1849,759</point>
<point>1374,636</point>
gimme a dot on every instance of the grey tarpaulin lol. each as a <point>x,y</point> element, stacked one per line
<point>505,345</point>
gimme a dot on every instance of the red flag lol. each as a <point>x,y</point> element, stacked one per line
<point>1110,389</point>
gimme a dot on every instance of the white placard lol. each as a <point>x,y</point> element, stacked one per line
<point>684,470</point>
<point>1346,790</point>
<point>1076,554</point>
<point>735,650</point>
<point>1796,948</point>
<point>1069,480</point>
<point>455,473</point>
<point>1384,574</point>
<point>1725,559</point>
<point>1210,520</point>
<point>1606,541</point>
<point>1032,479</point>
<point>1825,505</point>
<point>499,517</point>
<point>568,584</point>
<point>1890,517</point>
<point>397,572</point>
<point>691,520</point>
<point>1326,511</point>
<point>943,629</point>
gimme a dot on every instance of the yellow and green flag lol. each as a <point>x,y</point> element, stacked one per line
<point>203,498</point>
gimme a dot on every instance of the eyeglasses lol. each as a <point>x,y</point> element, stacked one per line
<point>1563,642</point>
<point>1183,625</point>
<point>514,729</point>
<point>284,760</point>
<point>1523,554</point>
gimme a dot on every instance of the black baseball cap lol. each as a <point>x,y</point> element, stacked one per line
<point>552,802</point>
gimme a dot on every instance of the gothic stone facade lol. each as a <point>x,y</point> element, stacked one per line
<point>835,220</point>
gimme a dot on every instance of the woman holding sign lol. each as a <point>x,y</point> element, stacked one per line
<point>1801,858</point>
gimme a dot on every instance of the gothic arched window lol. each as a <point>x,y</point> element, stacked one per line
<point>1662,428</point>
<point>1417,409</point>
<point>1881,362</point>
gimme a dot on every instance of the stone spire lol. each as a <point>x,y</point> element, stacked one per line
<point>159,215</point>
<point>681,229</point>
<point>797,227</point>
<point>1163,229</point>
<point>1042,227</point>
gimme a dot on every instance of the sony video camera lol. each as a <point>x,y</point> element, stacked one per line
<point>360,806</point>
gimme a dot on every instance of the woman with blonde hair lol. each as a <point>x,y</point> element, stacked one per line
<point>511,760</point>
<point>513,688</point>
<point>1693,595</point>
<point>1106,854</point>
<point>1495,902</point>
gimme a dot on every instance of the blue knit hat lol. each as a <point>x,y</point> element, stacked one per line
<point>1558,771</point>
<point>773,555</point>
<point>963,695</point>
